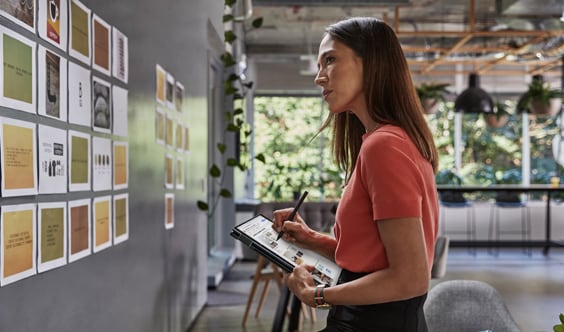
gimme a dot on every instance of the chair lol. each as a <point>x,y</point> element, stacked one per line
<point>504,201</point>
<point>456,200</point>
<point>467,306</point>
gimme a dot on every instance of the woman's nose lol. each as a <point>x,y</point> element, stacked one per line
<point>320,79</point>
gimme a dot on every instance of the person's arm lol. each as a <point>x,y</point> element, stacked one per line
<point>407,275</point>
<point>299,232</point>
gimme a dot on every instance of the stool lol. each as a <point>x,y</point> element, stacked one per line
<point>510,201</point>
<point>265,274</point>
<point>455,200</point>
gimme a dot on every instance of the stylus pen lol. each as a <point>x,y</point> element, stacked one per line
<point>294,212</point>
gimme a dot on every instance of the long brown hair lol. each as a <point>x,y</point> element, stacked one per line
<point>389,91</point>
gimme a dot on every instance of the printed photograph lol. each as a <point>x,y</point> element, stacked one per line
<point>101,110</point>
<point>20,11</point>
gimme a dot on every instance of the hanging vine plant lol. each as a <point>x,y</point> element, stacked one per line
<point>236,87</point>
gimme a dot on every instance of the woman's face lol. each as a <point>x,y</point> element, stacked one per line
<point>340,77</point>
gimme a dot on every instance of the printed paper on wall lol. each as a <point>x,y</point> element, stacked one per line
<point>79,32</point>
<point>160,126</point>
<point>169,90</point>
<point>79,158</point>
<point>179,96</point>
<point>101,105</point>
<point>119,98</point>
<point>180,173</point>
<point>101,164</point>
<point>18,72</point>
<point>169,211</point>
<point>169,171</point>
<point>52,92</point>
<point>52,235</point>
<point>169,131</point>
<point>161,84</point>
<point>102,223</point>
<point>21,12</point>
<point>52,22</point>
<point>121,165</point>
<point>17,231</point>
<point>79,229</point>
<point>121,218</point>
<point>52,151</point>
<point>120,59</point>
<point>187,139</point>
<point>101,45</point>
<point>19,157</point>
<point>80,98</point>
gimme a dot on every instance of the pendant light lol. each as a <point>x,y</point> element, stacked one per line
<point>474,99</point>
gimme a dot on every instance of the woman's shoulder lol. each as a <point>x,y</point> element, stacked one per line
<point>387,134</point>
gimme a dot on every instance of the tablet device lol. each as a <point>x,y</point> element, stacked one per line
<point>257,233</point>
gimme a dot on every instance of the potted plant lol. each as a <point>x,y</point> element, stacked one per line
<point>431,95</point>
<point>559,327</point>
<point>540,99</point>
<point>499,117</point>
<point>511,176</point>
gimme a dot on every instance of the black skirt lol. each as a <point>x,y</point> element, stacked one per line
<point>397,316</point>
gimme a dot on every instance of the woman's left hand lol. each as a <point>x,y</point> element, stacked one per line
<point>301,284</point>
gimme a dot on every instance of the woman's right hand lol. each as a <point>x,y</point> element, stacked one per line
<point>295,231</point>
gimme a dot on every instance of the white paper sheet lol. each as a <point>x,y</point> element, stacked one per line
<point>169,171</point>
<point>21,12</point>
<point>80,47</point>
<point>80,96</point>
<point>79,229</point>
<point>52,79</point>
<point>79,161</point>
<point>101,105</point>
<point>119,98</point>
<point>121,215</point>
<point>52,22</point>
<point>52,235</point>
<point>53,168</point>
<point>18,73</point>
<point>121,165</point>
<point>180,173</point>
<point>160,91</point>
<point>102,223</point>
<point>160,126</point>
<point>169,91</point>
<point>18,146</point>
<point>169,211</point>
<point>101,164</point>
<point>17,230</point>
<point>102,45</point>
<point>120,58</point>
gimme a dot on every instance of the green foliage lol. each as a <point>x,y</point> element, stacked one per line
<point>235,87</point>
<point>537,91</point>
<point>559,327</point>
<point>432,91</point>
<point>284,128</point>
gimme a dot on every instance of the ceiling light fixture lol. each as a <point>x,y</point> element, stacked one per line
<point>474,99</point>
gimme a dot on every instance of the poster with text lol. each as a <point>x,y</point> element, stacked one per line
<point>19,157</point>
<point>80,98</point>
<point>52,21</point>
<point>101,105</point>
<point>52,235</point>
<point>160,126</point>
<point>79,157</point>
<point>179,133</point>
<point>187,139</point>
<point>169,171</point>
<point>120,59</point>
<point>52,151</point>
<point>169,91</point>
<point>169,131</point>
<point>101,164</point>
<point>161,84</point>
<point>121,218</point>
<point>102,221</point>
<point>169,211</point>
<point>79,32</point>
<point>102,46</point>
<point>52,78</point>
<point>21,12</point>
<point>17,231</point>
<point>179,173</point>
<point>79,229</point>
<point>119,98</point>
<point>121,165</point>
<point>178,96</point>
<point>18,72</point>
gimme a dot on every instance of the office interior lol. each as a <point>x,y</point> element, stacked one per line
<point>158,279</point>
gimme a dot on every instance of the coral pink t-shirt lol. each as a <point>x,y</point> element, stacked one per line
<point>391,180</point>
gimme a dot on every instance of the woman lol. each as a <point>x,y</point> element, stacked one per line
<point>386,222</point>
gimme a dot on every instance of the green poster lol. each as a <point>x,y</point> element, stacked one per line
<point>80,38</point>
<point>79,160</point>
<point>121,217</point>
<point>52,234</point>
<point>18,70</point>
